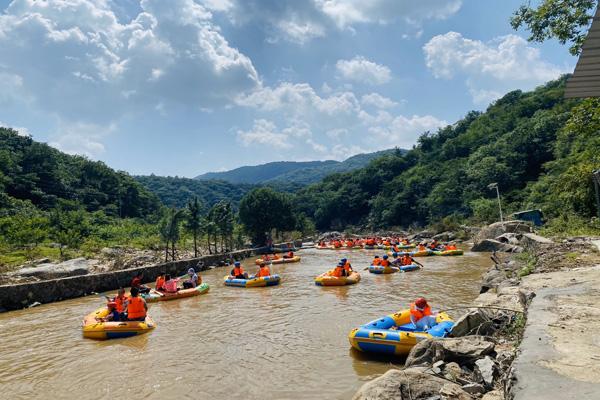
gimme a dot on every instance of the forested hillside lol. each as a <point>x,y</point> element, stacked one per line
<point>35,173</point>
<point>540,148</point>
<point>290,175</point>
<point>176,192</point>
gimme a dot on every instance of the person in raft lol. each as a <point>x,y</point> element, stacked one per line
<point>376,261</point>
<point>421,315</point>
<point>338,271</point>
<point>171,284</point>
<point>347,266</point>
<point>290,254</point>
<point>117,306</point>
<point>406,259</point>
<point>238,271</point>
<point>136,282</point>
<point>193,281</point>
<point>160,282</point>
<point>385,262</point>
<point>136,306</point>
<point>263,271</point>
<point>450,246</point>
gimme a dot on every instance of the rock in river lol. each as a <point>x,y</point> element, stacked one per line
<point>461,350</point>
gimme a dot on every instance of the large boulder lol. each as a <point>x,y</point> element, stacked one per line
<point>74,267</point>
<point>475,322</point>
<point>444,236</point>
<point>411,383</point>
<point>492,279</point>
<point>533,241</point>
<point>495,245</point>
<point>498,228</point>
<point>462,350</point>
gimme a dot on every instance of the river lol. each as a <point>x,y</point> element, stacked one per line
<point>282,342</point>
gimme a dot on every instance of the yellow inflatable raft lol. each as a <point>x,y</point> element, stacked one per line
<point>395,334</point>
<point>449,253</point>
<point>327,280</point>
<point>154,296</point>
<point>95,328</point>
<point>279,260</point>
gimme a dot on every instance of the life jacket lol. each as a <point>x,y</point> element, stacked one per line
<point>451,247</point>
<point>376,261</point>
<point>406,260</point>
<point>338,272</point>
<point>418,314</point>
<point>291,254</point>
<point>238,271</point>
<point>120,303</point>
<point>422,248</point>
<point>264,271</point>
<point>384,263</point>
<point>396,249</point>
<point>171,286</point>
<point>135,308</point>
<point>370,242</point>
<point>160,283</point>
<point>348,268</point>
<point>386,243</point>
<point>136,282</point>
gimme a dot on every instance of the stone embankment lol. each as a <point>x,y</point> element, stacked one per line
<point>80,282</point>
<point>531,334</point>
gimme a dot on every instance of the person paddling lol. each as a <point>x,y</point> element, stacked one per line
<point>136,307</point>
<point>136,282</point>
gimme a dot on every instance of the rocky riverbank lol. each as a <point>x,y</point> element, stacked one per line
<point>529,335</point>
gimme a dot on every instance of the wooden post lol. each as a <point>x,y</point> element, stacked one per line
<point>596,179</point>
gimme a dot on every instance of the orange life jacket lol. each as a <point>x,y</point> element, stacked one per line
<point>135,308</point>
<point>348,268</point>
<point>120,303</point>
<point>451,247</point>
<point>406,260</point>
<point>396,249</point>
<point>422,248</point>
<point>160,283</point>
<point>264,271</point>
<point>338,272</point>
<point>238,271</point>
<point>418,314</point>
<point>291,254</point>
<point>384,263</point>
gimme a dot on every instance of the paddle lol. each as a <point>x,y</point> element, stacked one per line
<point>418,263</point>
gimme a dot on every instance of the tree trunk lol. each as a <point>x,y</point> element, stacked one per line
<point>167,252</point>
<point>195,244</point>
<point>173,250</point>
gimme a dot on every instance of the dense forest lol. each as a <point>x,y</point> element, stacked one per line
<point>176,191</point>
<point>537,146</point>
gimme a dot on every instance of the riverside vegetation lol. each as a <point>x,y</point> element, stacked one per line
<point>540,148</point>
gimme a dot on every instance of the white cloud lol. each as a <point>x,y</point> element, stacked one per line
<point>171,52</point>
<point>264,133</point>
<point>348,12</point>
<point>299,31</point>
<point>378,101</point>
<point>82,138</point>
<point>21,131</point>
<point>337,133</point>
<point>341,152</point>
<point>359,69</point>
<point>404,131</point>
<point>503,64</point>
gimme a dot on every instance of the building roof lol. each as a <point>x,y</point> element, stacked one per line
<point>585,81</point>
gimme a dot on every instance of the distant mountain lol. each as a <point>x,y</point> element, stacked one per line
<point>175,191</point>
<point>290,174</point>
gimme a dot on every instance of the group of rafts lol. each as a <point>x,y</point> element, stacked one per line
<point>393,334</point>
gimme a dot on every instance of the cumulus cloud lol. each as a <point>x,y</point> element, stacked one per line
<point>21,131</point>
<point>95,67</point>
<point>82,138</point>
<point>361,70</point>
<point>348,12</point>
<point>378,101</point>
<point>336,118</point>
<point>505,63</point>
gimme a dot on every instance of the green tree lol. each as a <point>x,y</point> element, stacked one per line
<point>68,228</point>
<point>263,210</point>
<point>194,221</point>
<point>565,20</point>
<point>169,229</point>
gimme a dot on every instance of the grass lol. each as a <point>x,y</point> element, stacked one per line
<point>529,261</point>
<point>515,329</point>
<point>572,256</point>
<point>9,259</point>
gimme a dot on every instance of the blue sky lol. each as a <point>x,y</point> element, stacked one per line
<point>182,87</point>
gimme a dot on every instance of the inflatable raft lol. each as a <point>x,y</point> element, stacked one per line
<point>263,281</point>
<point>449,253</point>
<point>409,267</point>
<point>424,253</point>
<point>328,280</point>
<point>395,334</point>
<point>279,260</point>
<point>94,328</point>
<point>154,296</point>
<point>378,269</point>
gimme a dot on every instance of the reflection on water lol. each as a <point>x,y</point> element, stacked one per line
<point>286,341</point>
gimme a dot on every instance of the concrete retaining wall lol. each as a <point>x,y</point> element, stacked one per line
<point>13,297</point>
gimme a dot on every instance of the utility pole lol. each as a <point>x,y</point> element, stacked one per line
<point>596,179</point>
<point>495,186</point>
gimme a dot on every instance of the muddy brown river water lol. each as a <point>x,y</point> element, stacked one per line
<point>282,342</point>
